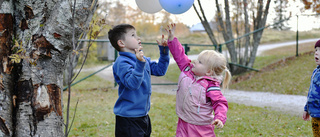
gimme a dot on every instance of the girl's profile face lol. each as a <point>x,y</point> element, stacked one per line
<point>317,55</point>
<point>200,68</point>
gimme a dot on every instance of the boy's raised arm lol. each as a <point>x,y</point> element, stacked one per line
<point>160,68</point>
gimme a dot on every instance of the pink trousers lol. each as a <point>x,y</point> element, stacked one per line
<point>185,129</point>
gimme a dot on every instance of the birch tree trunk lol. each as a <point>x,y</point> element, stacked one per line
<point>243,57</point>
<point>205,23</point>
<point>247,30</point>
<point>259,22</point>
<point>37,36</point>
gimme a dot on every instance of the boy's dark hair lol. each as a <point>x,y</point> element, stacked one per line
<point>317,44</point>
<point>117,33</point>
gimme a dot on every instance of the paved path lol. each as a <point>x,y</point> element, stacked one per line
<point>292,104</point>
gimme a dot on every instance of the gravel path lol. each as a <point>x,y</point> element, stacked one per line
<point>290,104</point>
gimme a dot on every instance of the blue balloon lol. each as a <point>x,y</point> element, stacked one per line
<point>176,6</point>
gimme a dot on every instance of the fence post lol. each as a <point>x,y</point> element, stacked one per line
<point>186,48</point>
<point>297,38</point>
<point>220,48</point>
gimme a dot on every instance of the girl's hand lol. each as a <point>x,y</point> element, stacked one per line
<point>306,116</point>
<point>218,123</point>
<point>139,54</point>
<point>163,42</point>
<point>170,31</point>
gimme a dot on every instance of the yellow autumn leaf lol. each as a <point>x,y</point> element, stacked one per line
<point>20,50</point>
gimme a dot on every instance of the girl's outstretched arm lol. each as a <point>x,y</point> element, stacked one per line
<point>176,48</point>
<point>170,31</point>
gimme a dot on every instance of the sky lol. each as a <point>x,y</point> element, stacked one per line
<point>306,20</point>
<point>189,17</point>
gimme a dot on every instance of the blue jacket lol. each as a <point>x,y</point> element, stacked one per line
<point>313,103</point>
<point>134,79</point>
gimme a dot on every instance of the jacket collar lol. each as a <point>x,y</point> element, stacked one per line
<point>212,78</point>
<point>128,54</point>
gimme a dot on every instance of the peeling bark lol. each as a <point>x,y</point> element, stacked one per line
<point>23,111</point>
<point>6,80</point>
<point>41,102</point>
<point>28,12</point>
<point>6,29</point>
<point>30,91</point>
<point>23,25</point>
<point>3,127</point>
<point>42,45</point>
<point>47,99</point>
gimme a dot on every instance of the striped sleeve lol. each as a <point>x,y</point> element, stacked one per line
<point>213,88</point>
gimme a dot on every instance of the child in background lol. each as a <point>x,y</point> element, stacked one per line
<point>199,92</point>
<point>132,71</point>
<point>312,107</point>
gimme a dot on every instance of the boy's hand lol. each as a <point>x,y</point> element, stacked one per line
<point>139,54</point>
<point>163,42</point>
<point>306,116</point>
<point>218,123</point>
<point>170,31</point>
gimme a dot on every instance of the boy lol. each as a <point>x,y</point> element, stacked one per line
<point>132,71</point>
<point>312,107</point>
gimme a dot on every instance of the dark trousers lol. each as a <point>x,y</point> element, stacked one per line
<point>133,126</point>
<point>315,126</point>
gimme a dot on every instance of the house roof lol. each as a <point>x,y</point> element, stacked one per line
<point>197,27</point>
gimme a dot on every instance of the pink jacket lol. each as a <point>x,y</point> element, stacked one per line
<point>197,97</point>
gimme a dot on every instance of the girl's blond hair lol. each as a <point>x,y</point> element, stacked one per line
<point>217,63</point>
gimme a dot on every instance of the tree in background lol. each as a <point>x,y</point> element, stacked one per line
<point>36,38</point>
<point>241,52</point>
<point>115,11</point>
<point>280,9</point>
<point>312,4</point>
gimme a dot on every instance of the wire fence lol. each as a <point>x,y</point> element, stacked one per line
<point>106,51</point>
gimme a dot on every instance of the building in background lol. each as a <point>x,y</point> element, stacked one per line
<point>198,28</point>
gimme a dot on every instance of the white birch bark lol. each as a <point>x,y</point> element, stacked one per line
<point>32,89</point>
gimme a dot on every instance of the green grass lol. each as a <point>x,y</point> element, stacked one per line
<point>289,77</point>
<point>292,77</point>
<point>95,116</point>
<point>244,121</point>
<point>97,96</point>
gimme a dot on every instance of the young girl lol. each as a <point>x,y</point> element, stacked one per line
<point>199,92</point>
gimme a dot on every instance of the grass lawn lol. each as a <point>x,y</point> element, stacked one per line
<point>287,76</point>
<point>94,116</point>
